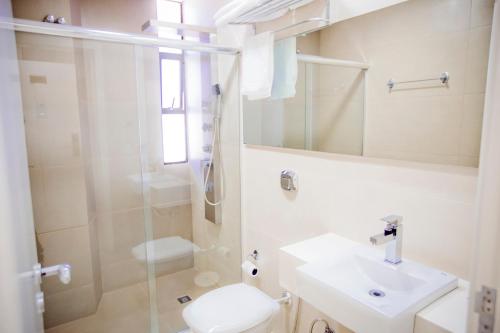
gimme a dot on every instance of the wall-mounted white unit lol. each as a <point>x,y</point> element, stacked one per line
<point>317,14</point>
<point>253,11</point>
<point>345,9</point>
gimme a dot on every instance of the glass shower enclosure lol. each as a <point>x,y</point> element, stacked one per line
<point>137,233</point>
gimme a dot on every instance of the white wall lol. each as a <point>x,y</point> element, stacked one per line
<point>486,268</point>
<point>348,196</point>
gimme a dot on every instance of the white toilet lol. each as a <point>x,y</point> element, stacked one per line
<point>235,308</point>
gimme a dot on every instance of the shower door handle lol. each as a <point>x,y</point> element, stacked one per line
<point>63,271</point>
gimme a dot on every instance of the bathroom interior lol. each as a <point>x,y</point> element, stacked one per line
<point>227,166</point>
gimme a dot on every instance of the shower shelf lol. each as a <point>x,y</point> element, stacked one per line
<point>294,25</point>
<point>269,10</point>
<point>182,29</point>
<point>273,9</point>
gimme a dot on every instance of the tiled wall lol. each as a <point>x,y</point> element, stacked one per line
<point>338,99</point>
<point>110,101</point>
<point>418,39</point>
<point>83,106</point>
<point>121,100</point>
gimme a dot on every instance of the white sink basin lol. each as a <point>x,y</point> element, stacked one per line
<point>368,295</point>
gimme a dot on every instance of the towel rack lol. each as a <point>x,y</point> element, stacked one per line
<point>444,78</point>
<point>313,19</point>
<point>267,10</point>
<point>272,9</point>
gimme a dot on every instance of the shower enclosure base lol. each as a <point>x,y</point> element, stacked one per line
<point>126,310</point>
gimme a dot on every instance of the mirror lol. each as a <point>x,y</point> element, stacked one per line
<point>346,110</point>
<point>326,114</point>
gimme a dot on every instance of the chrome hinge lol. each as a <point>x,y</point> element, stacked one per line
<point>485,307</point>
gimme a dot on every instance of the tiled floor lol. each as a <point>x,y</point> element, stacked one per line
<point>127,310</point>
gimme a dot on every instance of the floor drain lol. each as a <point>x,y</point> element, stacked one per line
<point>184,299</point>
<point>376,293</point>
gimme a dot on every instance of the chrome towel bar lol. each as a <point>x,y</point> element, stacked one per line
<point>444,78</point>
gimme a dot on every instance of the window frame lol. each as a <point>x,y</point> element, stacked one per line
<point>182,106</point>
<point>180,58</point>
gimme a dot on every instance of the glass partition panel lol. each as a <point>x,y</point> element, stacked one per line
<point>82,126</point>
<point>141,239</point>
<point>194,247</point>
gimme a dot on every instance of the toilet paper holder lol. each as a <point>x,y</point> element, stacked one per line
<point>286,297</point>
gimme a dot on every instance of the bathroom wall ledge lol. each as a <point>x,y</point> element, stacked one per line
<point>447,314</point>
<point>438,168</point>
<point>448,182</point>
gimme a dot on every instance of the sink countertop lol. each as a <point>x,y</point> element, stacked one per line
<point>445,315</point>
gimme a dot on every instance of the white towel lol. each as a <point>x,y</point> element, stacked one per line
<point>285,68</point>
<point>257,66</point>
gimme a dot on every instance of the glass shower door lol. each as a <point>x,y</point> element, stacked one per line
<point>138,233</point>
<point>80,104</point>
<point>193,247</point>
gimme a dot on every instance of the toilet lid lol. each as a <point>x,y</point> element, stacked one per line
<point>164,249</point>
<point>229,309</point>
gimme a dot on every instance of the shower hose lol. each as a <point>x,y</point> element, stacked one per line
<point>216,138</point>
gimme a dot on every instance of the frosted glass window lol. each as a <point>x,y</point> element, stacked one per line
<point>171,83</point>
<point>174,138</point>
<point>172,86</point>
<point>169,10</point>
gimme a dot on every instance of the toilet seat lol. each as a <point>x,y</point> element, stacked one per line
<point>230,309</point>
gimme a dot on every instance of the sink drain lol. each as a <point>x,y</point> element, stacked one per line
<point>376,293</point>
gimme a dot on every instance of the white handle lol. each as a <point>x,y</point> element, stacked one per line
<point>63,271</point>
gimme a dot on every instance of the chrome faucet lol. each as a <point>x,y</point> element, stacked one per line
<point>393,234</point>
